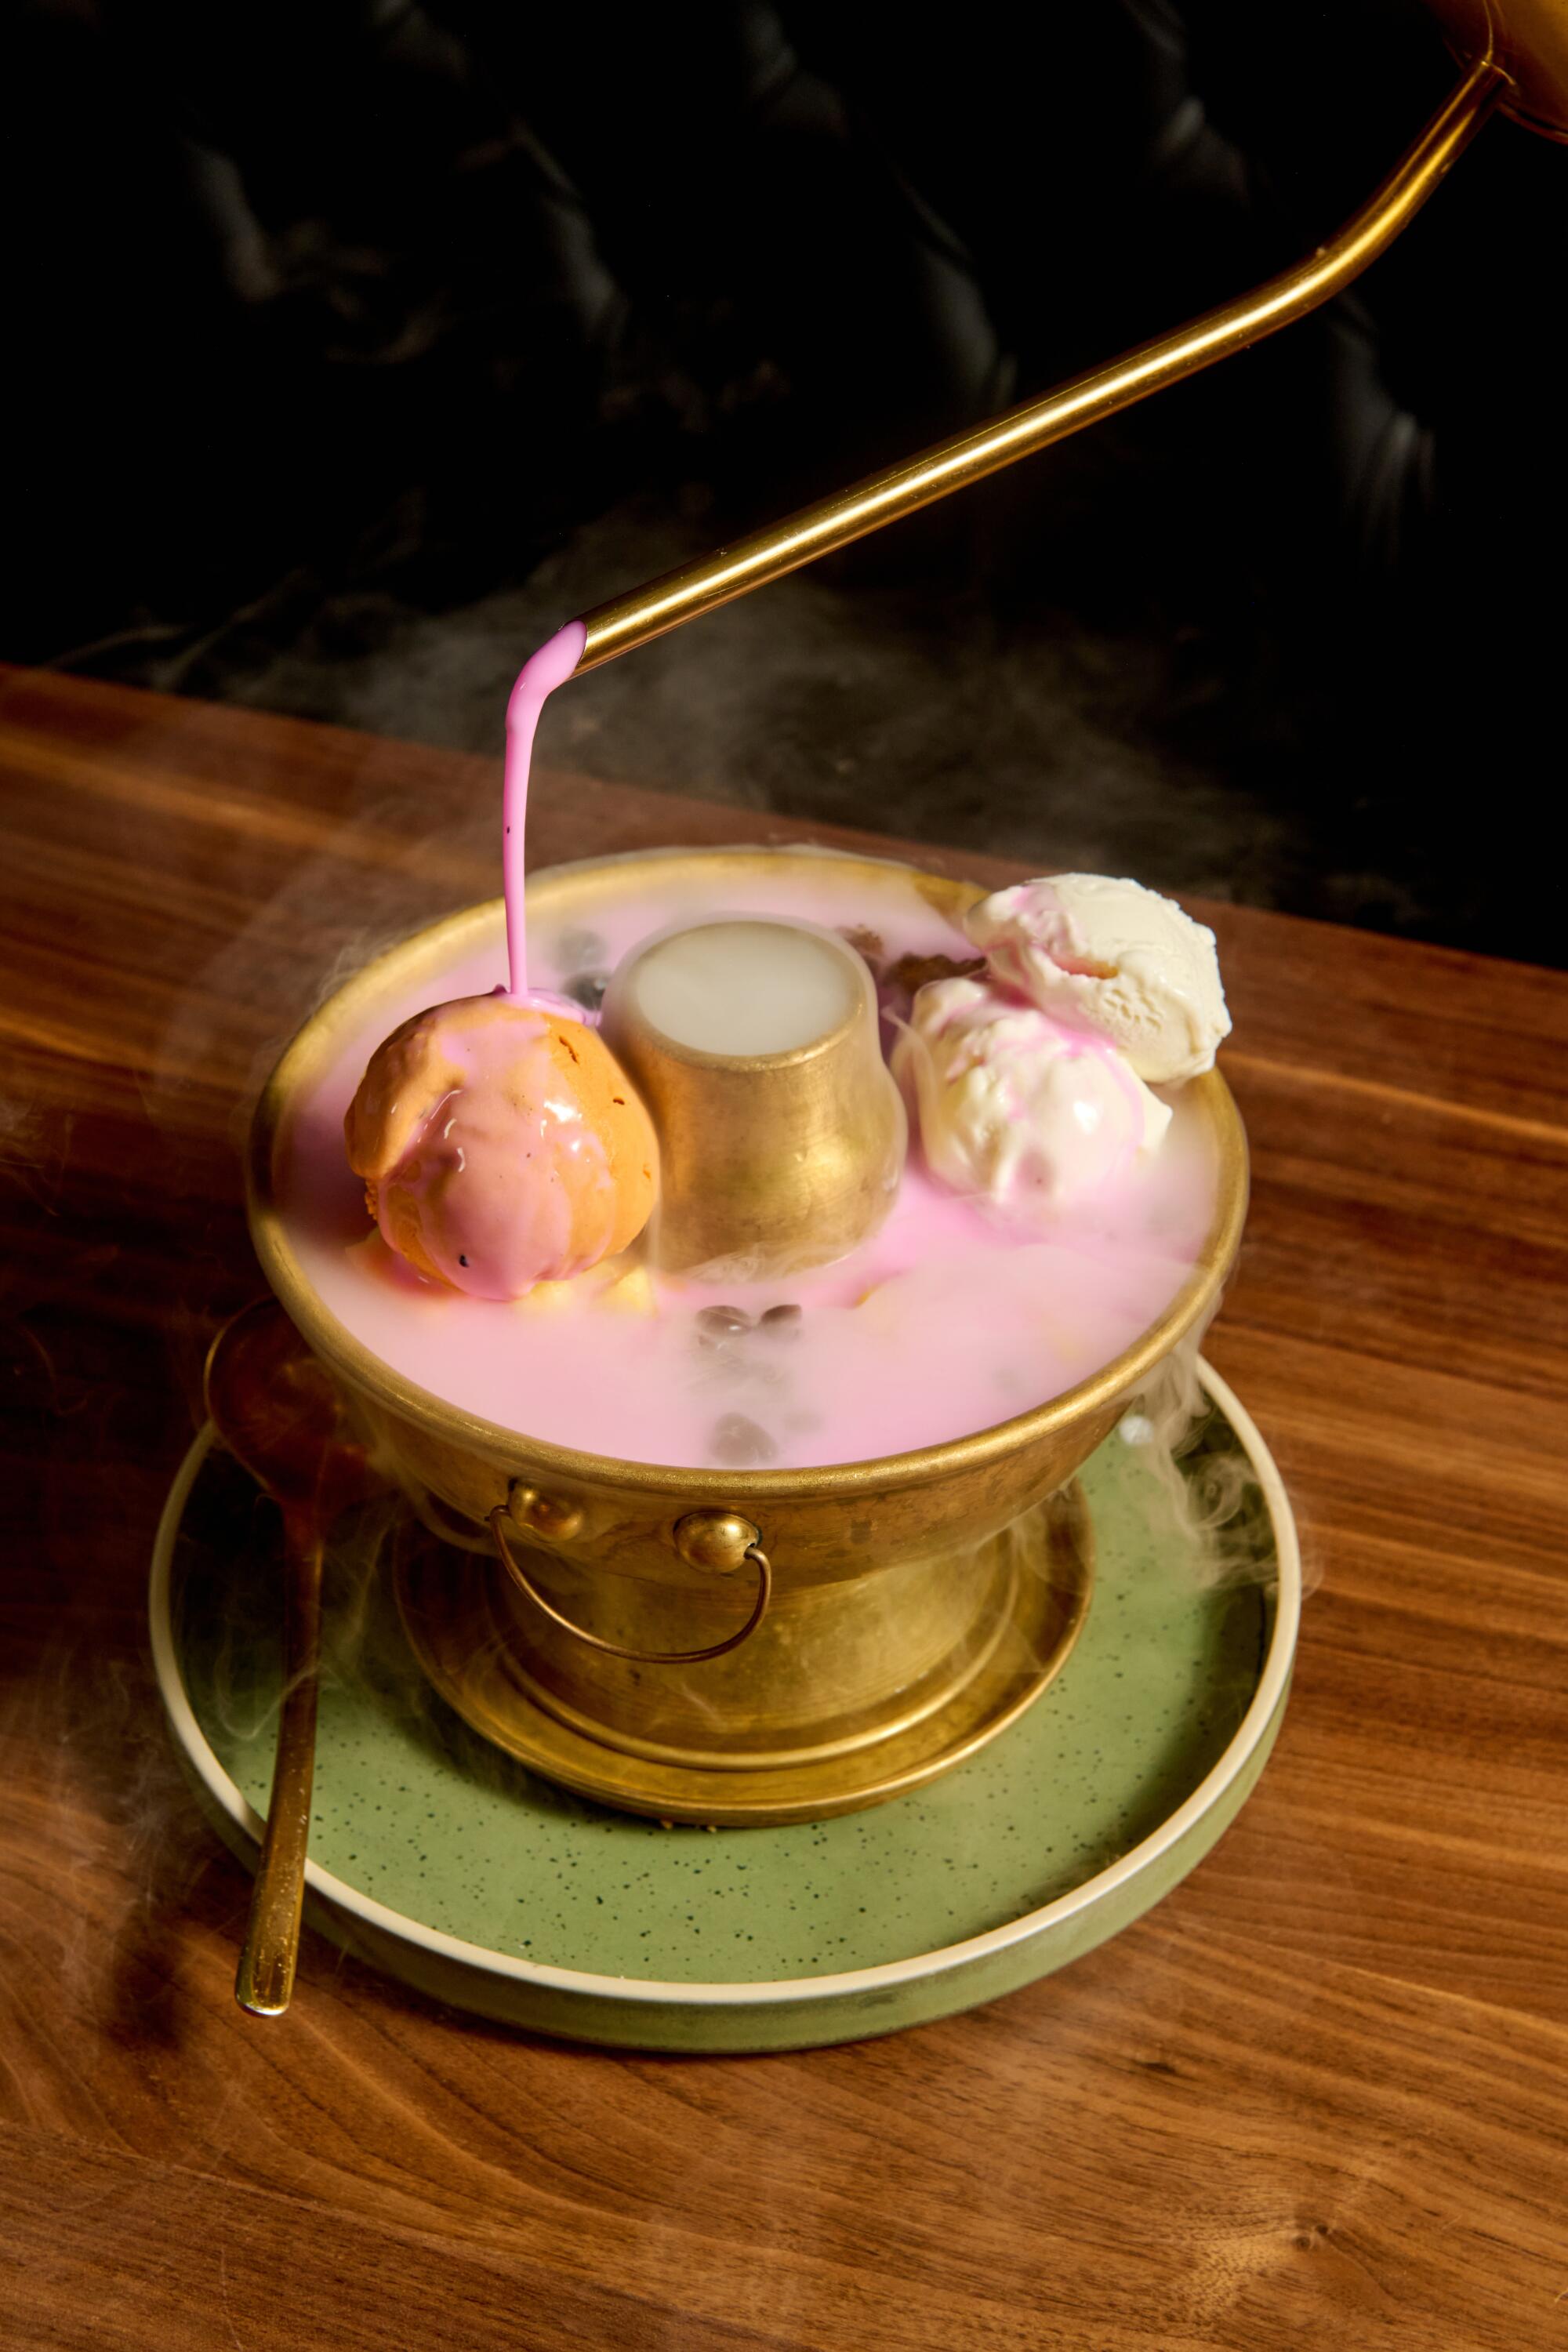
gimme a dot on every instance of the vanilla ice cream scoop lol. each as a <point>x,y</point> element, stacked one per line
<point>1019,1108</point>
<point>1112,957</point>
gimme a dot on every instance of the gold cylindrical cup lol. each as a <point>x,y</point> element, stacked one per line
<point>770,1160</point>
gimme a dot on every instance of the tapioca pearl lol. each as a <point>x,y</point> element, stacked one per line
<point>781,1322</point>
<point>741,1444</point>
<point>717,1323</point>
<point>587,989</point>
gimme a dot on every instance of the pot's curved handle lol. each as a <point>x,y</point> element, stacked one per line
<point>720,1541</point>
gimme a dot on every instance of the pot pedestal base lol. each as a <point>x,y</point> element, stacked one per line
<point>457,1612</point>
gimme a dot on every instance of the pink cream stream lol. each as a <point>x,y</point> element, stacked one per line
<point>540,676</point>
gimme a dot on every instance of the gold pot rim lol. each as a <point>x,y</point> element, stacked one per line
<point>363,1370</point>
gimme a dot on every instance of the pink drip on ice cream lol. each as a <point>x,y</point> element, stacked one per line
<point>498,1159</point>
<point>499,1147</point>
<point>1002,1114</point>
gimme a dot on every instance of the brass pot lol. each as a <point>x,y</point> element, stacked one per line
<point>747,1644</point>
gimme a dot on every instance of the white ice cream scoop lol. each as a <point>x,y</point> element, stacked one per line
<point>1112,957</point>
<point>1017,1108</point>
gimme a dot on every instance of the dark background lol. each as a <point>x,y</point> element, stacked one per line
<point>359,344</point>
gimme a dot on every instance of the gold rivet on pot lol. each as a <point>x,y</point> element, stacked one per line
<point>547,1515</point>
<point>719,1540</point>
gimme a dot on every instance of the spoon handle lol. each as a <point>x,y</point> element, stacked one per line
<point>264,1980</point>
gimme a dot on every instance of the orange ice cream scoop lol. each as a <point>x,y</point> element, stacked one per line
<point>501,1145</point>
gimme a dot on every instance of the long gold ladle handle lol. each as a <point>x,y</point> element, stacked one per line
<point>264,1980</point>
<point>640,613</point>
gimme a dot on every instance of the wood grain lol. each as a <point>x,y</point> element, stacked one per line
<point>1317,2099</point>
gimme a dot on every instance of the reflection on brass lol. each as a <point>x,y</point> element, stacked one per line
<point>1529,39</point>
<point>890,1577</point>
<point>545,1515</point>
<point>768,1163</point>
<point>719,1540</point>
<point>641,613</point>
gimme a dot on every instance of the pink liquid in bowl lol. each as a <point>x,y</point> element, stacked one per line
<point>942,1324</point>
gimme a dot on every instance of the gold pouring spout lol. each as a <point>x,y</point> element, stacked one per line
<point>1538,29</point>
<point>1529,39</point>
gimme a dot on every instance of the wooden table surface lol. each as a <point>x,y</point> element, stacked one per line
<point>1316,2098</point>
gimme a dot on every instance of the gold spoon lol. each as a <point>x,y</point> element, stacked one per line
<point>1535,78</point>
<point>280,1416</point>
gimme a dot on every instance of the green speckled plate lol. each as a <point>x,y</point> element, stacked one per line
<point>436,1859</point>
